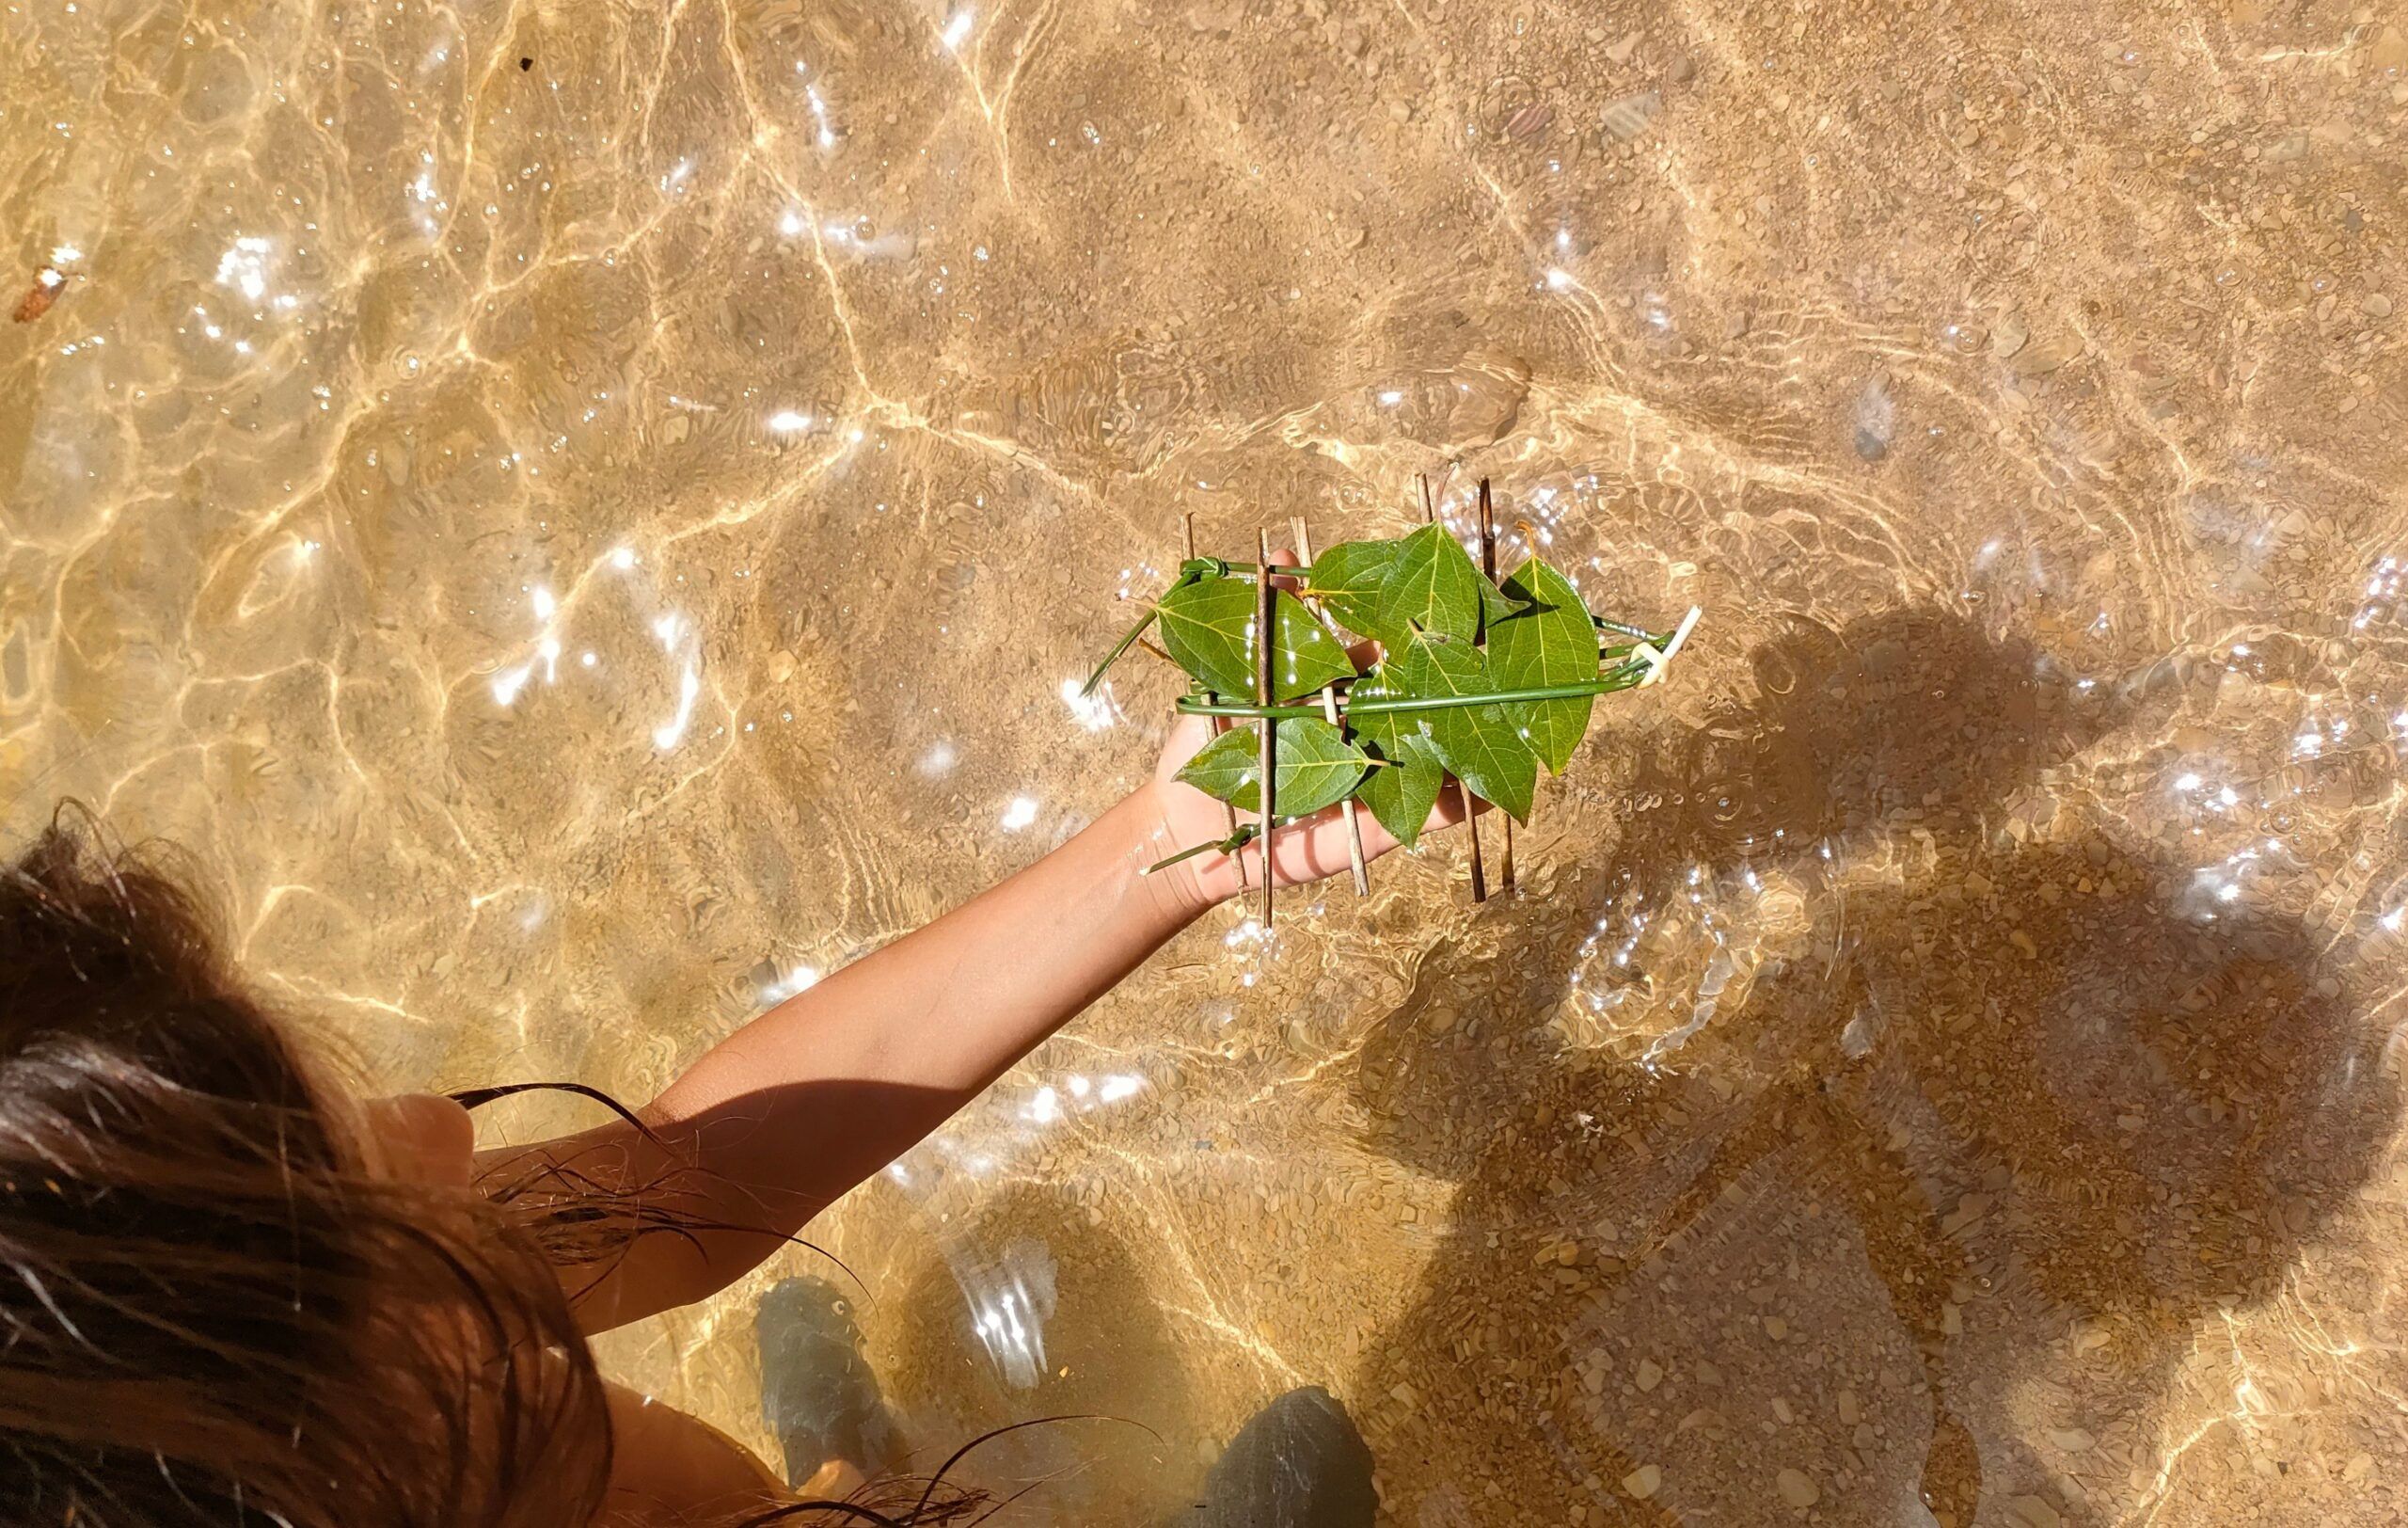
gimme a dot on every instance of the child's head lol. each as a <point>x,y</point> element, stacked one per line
<point>228,1293</point>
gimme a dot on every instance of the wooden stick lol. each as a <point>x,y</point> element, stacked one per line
<point>1471,821</point>
<point>1263,646</point>
<point>1220,725</point>
<point>1302,543</point>
<point>1488,565</point>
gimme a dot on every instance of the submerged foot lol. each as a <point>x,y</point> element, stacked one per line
<point>1297,1463</point>
<point>817,1392</point>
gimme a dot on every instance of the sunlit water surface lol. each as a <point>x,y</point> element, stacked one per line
<point>582,517</point>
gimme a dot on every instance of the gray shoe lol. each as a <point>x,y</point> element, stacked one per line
<point>1297,1463</point>
<point>817,1394</point>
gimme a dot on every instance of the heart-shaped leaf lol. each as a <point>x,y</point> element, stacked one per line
<point>1315,767</point>
<point>1433,587</point>
<point>1478,745</point>
<point>1551,642</point>
<point>1305,656</point>
<point>1402,794</point>
<point>1348,577</point>
<point>1207,628</point>
<point>1383,730</point>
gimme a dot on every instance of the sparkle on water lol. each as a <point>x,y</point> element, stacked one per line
<point>1940,1046</point>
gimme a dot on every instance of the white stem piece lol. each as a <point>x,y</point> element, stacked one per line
<point>1656,662</point>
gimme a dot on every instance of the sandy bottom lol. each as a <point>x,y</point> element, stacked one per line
<point>581,518</point>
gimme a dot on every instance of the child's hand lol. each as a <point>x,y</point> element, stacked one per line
<point>1300,852</point>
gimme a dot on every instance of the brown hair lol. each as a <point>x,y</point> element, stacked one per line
<point>213,1307</point>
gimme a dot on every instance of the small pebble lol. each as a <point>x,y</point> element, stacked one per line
<point>1529,123</point>
<point>1625,118</point>
<point>1799,1488</point>
<point>1642,1482</point>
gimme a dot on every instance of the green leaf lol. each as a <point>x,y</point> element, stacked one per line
<point>1403,808</point>
<point>1497,604</point>
<point>1207,627</point>
<point>1433,587</point>
<point>1477,743</point>
<point>1316,767</point>
<point>1401,795</point>
<point>1306,657</point>
<point>1551,642</point>
<point>1349,579</point>
<point>1385,730</point>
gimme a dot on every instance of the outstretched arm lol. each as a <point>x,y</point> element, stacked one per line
<point>784,1116</point>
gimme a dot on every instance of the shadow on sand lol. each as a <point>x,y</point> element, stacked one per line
<point>2012,1106</point>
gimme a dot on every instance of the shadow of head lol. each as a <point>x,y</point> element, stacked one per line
<point>2053,1108</point>
<point>1913,711</point>
<point>2043,1111</point>
<point>1844,734</point>
<point>2072,1110</point>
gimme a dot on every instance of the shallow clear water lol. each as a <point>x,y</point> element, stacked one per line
<point>581,517</point>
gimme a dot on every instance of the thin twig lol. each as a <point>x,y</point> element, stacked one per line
<point>1267,780</point>
<point>1471,818</point>
<point>1488,567</point>
<point>1187,550</point>
<point>1304,548</point>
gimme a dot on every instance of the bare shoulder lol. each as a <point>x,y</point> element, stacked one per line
<point>670,1469</point>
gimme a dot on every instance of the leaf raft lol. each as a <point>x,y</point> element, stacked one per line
<point>1472,678</point>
